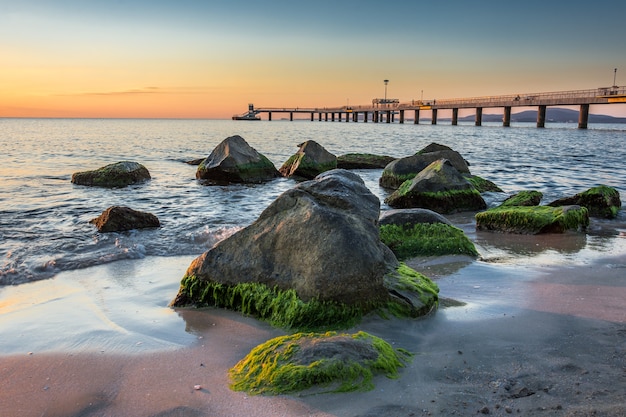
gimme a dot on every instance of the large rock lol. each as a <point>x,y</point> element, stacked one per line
<point>310,160</point>
<point>234,160</point>
<point>533,219</point>
<point>319,239</point>
<point>119,174</point>
<point>601,201</point>
<point>118,219</point>
<point>403,169</point>
<point>439,187</point>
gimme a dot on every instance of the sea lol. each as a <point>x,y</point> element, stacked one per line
<point>45,219</point>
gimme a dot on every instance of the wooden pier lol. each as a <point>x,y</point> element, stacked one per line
<point>386,110</point>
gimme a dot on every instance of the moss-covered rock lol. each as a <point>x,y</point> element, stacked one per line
<point>533,219</point>
<point>119,174</point>
<point>324,361</point>
<point>310,160</point>
<point>404,169</point>
<point>426,239</point>
<point>439,187</point>
<point>363,161</point>
<point>601,201</point>
<point>235,161</point>
<point>483,185</point>
<point>523,198</point>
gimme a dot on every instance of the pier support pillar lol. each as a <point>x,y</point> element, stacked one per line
<point>312,116</point>
<point>269,116</point>
<point>479,116</point>
<point>455,117</point>
<point>325,117</point>
<point>541,116</point>
<point>388,116</point>
<point>364,117</point>
<point>319,116</point>
<point>506,118</point>
<point>375,116</point>
<point>434,117</point>
<point>348,117</point>
<point>332,116</point>
<point>416,117</point>
<point>355,116</point>
<point>401,116</point>
<point>583,116</point>
<point>291,116</point>
<point>339,116</point>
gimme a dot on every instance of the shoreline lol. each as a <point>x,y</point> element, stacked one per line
<point>531,339</point>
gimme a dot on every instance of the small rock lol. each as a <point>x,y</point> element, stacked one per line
<point>197,387</point>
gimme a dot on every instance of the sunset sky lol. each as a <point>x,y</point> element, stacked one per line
<point>209,59</point>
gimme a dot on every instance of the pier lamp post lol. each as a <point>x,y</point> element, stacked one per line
<point>386,82</point>
<point>614,77</point>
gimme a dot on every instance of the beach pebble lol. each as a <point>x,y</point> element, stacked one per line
<point>197,387</point>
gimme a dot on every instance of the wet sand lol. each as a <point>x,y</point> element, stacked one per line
<point>536,339</point>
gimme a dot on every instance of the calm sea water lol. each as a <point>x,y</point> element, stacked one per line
<point>44,219</point>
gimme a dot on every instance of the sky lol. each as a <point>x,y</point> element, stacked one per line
<point>209,59</point>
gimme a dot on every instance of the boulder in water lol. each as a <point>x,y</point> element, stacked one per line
<point>235,161</point>
<point>601,201</point>
<point>310,160</point>
<point>119,174</point>
<point>118,219</point>
<point>439,187</point>
<point>533,219</point>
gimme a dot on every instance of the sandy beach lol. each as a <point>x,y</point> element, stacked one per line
<point>534,339</point>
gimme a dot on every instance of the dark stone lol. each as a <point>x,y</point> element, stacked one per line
<point>363,161</point>
<point>119,174</point>
<point>235,161</point>
<point>439,187</point>
<point>410,217</point>
<point>118,219</point>
<point>403,169</point>
<point>310,160</point>
<point>319,238</point>
<point>601,201</point>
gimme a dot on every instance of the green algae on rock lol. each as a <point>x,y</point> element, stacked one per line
<point>326,362</point>
<point>363,161</point>
<point>601,201</point>
<point>426,239</point>
<point>533,219</point>
<point>523,198</point>
<point>284,309</point>
<point>483,185</point>
<point>119,174</point>
<point>310,160</point>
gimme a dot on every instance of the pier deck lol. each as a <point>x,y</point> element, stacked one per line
<point>386,109</point>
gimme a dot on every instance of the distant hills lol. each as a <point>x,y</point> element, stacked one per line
<point>553,114</point>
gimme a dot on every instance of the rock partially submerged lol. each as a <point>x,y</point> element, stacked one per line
<point>310,160</point>
<point>403,169</point>
<point>439,187</point>
<point>317,248</point>
<point>601,201</point>
<point>533,219</point>
<point>118,219</point>
<point>363,161</point>
<point>410,217</point>
<point>523,198</point>
<point>235,161</point>
<point>119,174</point>
<point>327,362</point>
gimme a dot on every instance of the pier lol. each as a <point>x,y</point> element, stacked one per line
<point>385,110</point>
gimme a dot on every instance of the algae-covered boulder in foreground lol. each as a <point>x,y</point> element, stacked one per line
<point>533,219</point>
<point>327,362</point>
<point>235,161</point>
<point>403,169</point>
<point>313,257</point>
<point>310,160</point>
<point>119,174</point>
<point>118,219</point>
<point>601,201</point>
<point>439,187</point>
